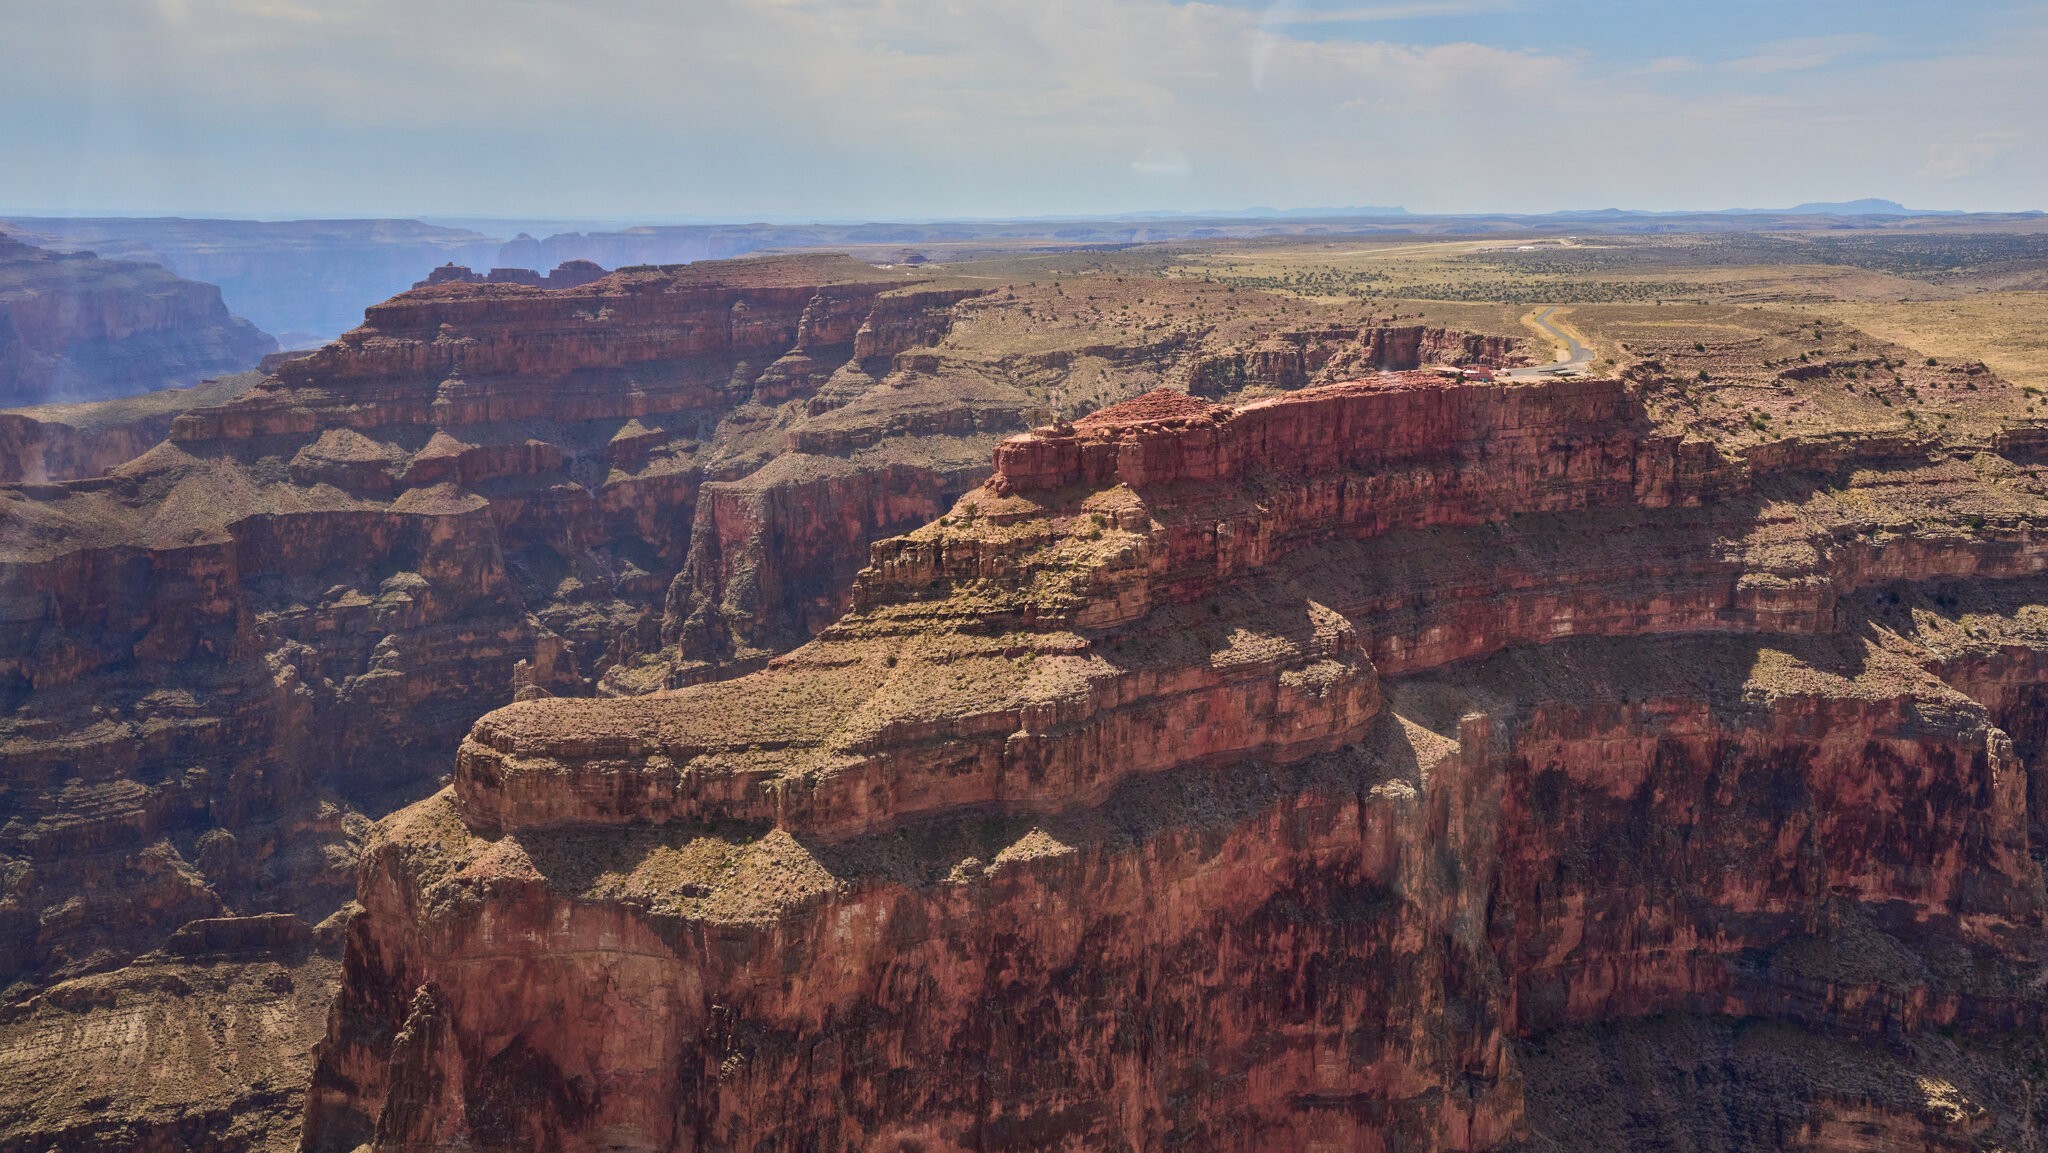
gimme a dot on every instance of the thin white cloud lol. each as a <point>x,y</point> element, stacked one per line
<point>1163,160</point>
<point>1961,159</point>
<point>1290,12</point>
<point>1805,53</point>
<point>1668,66</point>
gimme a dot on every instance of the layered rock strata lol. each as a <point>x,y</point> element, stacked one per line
<point>306,593</point>
<point>1292,775</point>
<point>219,658</point>
<point>74,327</point>
<point>56,442</point>
<point>569,274</point>
<point>1296,359</point>
<point>218,661</point>
<point>195,1047</point>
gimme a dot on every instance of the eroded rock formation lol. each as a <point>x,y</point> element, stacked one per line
<point>569,274</point>
<point>215,660</point>
<point>309,591</point>
<point>1296,359</point>
<point>1362,768</point>
<point>54,442</point>
<point>74,327</point>
<point>222,658</point>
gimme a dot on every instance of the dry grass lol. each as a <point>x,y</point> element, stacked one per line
<point>1748,374</point>
<point>2006,330</point>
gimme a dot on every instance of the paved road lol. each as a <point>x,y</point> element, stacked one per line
<point>1577,357</point>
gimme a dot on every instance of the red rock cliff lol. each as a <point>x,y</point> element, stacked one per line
<point>1284,776</point>
<point>215,658</point>
<point>74,327</point>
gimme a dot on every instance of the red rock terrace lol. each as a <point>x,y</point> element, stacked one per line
<point>1370,767</point>
<point>268,610</point>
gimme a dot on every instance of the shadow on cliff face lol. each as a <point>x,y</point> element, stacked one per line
<point>1730,1085</point>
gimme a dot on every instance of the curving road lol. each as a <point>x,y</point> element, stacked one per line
<point>1576,357</point>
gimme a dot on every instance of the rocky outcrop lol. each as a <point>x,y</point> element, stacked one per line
<point>303,281</point>
<point>216,659</point>
<point>1296,359</point>
<point>569,274</point>
<point>74,327</point>
<point>56,442</point>
<point>195,1047</point>
<point>773,556</point>
<point>1296,774</point>
<point>295,606</point>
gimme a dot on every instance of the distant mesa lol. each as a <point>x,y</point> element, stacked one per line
<point>568,274</point>
<point>304,281</point>
<point>75,327</point>
<point>1868,206</point>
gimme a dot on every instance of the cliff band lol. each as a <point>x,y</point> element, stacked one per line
<point>1353,768</point>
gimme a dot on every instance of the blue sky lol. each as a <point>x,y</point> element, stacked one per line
<point>1705,30</point>
<point>919,108</point>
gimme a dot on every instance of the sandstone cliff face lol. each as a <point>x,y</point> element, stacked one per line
<point>1348,769</point>
<point>39,451</point>
<point>74,327</point>
<point>56,442</point>
<point>1292,360</point>
<point>219,660</point>
<point>294,606</point>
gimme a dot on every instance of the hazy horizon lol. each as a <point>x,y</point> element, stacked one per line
<point>528,223</point>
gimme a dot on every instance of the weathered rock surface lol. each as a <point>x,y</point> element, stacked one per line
<point>53,442</point>
<point>294,606</point>
<point>569,274</point>
<point>74,327</point>
<point>303,281</point>
<point>1369,767</point>
<point>1296,359</point>
<point>195,1047</point>
<point>219,660</point>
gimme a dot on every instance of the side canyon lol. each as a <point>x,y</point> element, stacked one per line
<point>223,659</point>
<point>1402,763</point>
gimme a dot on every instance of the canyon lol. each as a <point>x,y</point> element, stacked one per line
<point>303,281</point>
<point>86,439</point>
<point>222,659</point>
<point>307,281</point>
<point>74,327</point>
<point>1069,703</point>
<point>1401,763</point>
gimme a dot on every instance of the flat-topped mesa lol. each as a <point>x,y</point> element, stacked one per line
<point>1183,706</point>
<point>1006,638</point>
<point>568,274</point>
<point>1212,491</point>
<point>1180,500</point>
<point>847,738</point>
<point>1166,437</point>
<point>459,352</point>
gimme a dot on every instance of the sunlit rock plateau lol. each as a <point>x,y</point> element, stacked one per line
<point>1404,763</point>
<point>239,624</point>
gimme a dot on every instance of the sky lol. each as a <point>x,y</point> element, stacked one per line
<point>921,109</point>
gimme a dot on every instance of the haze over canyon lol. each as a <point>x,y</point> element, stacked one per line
<point>745,578</point>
